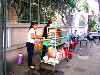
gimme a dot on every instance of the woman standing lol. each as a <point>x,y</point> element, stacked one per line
<point>45,35</point>
<point>30,43</point>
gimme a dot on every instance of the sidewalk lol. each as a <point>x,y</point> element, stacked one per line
<point>86,62</point>
<point>11,61</point>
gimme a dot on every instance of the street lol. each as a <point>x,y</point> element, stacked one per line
<point>85,61</point>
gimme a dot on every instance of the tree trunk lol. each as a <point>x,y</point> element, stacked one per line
<point>12,15</point>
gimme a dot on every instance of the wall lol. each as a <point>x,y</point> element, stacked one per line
<point>18,33</point>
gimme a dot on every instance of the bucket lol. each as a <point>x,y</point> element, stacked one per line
<point>20,58</point>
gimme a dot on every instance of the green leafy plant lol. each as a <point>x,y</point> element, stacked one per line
<point>42,7</point>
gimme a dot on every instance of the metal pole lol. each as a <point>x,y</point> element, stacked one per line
<point>38,13</point>
<point>3,2</point>
<point>30,12</point>
<point>45,13</point>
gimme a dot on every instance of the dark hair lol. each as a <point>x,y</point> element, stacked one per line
<point>75,30</point>
<point>32,23</point>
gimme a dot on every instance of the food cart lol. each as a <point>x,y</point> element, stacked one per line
<point>58,43</point>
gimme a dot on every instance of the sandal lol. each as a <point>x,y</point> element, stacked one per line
<point>32,67</point>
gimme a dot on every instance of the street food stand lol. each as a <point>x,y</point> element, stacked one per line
<point>58,43</point>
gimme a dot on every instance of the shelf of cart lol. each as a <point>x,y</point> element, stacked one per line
<point>55,45</point>
<point>50,60</point>
<point>56,38</point>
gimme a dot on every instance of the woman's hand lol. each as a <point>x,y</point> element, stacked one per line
<point>33,36</point>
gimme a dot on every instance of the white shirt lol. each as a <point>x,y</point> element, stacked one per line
<point>31,32</point>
